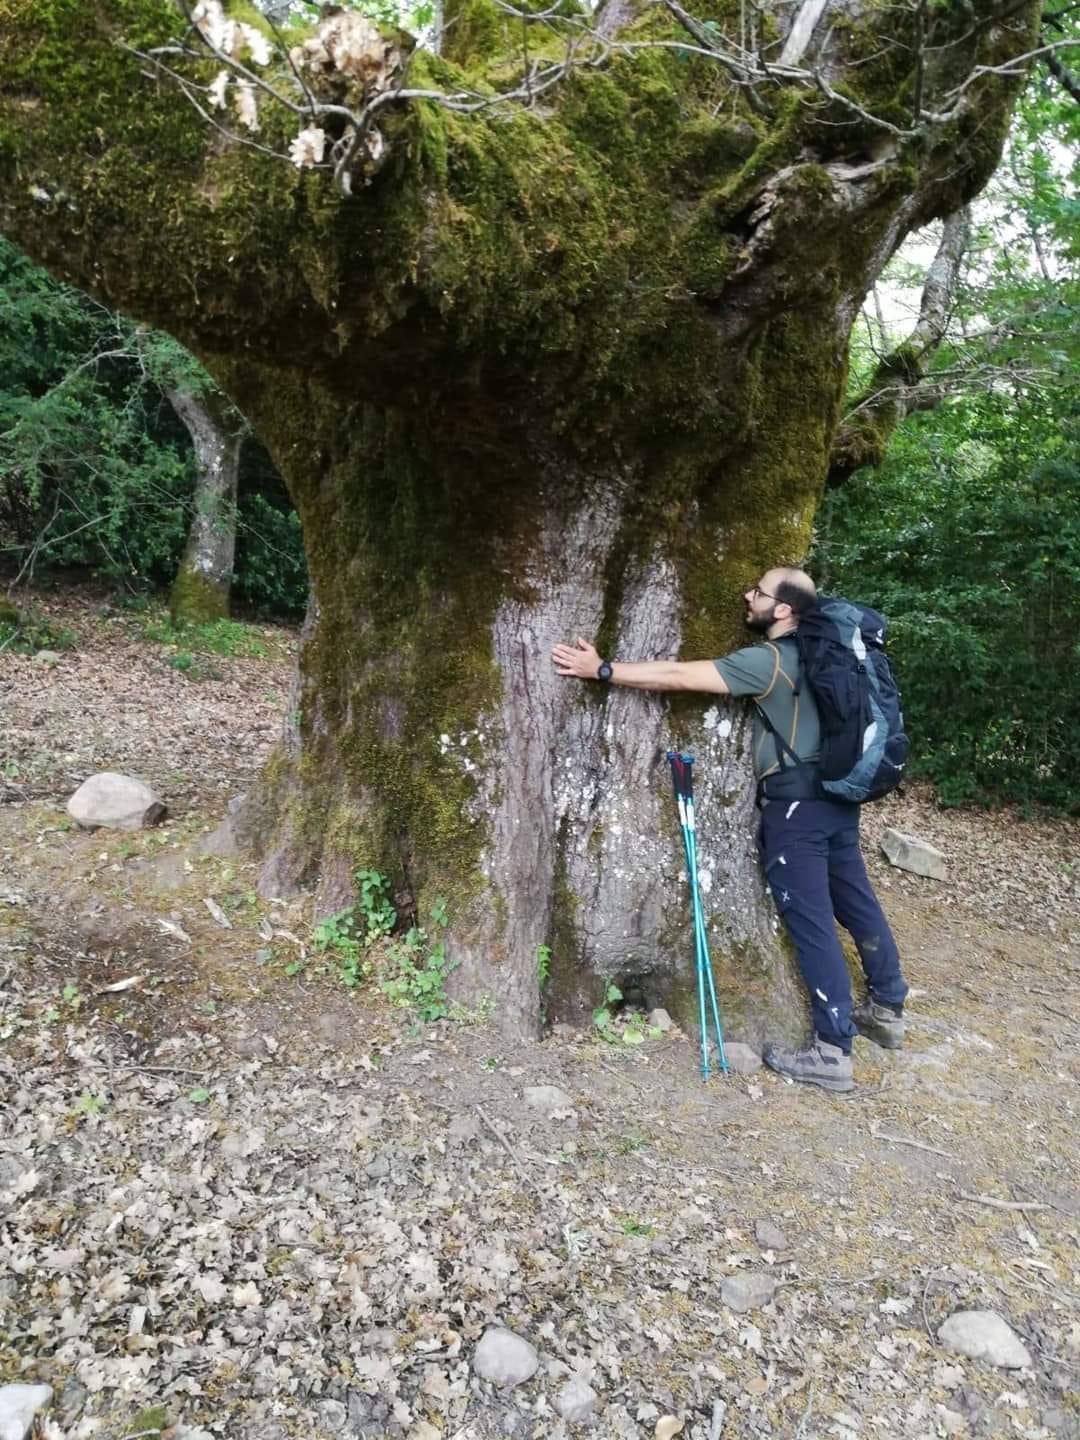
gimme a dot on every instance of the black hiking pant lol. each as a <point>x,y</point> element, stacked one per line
<point>810,850</point>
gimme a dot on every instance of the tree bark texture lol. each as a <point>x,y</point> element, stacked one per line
<point>200,591</point>
<point>573,369</point>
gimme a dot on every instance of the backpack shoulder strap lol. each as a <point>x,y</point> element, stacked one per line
<point>782,747</point>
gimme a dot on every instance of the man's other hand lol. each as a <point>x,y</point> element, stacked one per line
<point>579,661</point>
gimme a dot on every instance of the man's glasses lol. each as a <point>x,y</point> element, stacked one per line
<point>765,594</point>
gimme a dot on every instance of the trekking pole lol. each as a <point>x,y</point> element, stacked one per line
<point>683,782</point>
<point>703,938</point>
<point>679,781</point>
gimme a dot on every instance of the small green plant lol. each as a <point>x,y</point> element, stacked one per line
<point>88,1104</point>
<point>630,1226</point>
<point>543,965</point>
<point>72,996</point>
<point>199,1096</point>
<point>340,935</point>
<point>602,1016</point>
<point>373,902</point>
<point>151,1421</point>
<point>631,1141</point>
<point>183,660</point>
<point>417,969</point>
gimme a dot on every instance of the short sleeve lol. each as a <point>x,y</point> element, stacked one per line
<point>750,671</point>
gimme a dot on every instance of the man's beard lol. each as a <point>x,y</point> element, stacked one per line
<point>761,622</point>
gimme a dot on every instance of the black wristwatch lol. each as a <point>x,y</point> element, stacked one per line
<point>604,672</point>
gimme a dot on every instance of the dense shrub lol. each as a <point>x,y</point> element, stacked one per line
<point>968,538</point>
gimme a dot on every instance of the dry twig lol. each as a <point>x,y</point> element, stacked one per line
<point>904,1140</point>
<point>1003,1204</point>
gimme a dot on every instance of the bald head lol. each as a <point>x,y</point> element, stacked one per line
<point>792,587</point>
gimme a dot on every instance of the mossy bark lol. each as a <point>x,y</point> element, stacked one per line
<point>570,371</point>
<point>200,591</point>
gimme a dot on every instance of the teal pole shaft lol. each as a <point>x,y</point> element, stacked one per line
<point>685,820</point>
<point>706,958</point>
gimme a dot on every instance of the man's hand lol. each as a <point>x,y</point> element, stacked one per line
<point>579,661</point>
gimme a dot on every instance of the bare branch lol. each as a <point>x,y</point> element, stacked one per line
<point>898,386</point>
<point>801,32</point>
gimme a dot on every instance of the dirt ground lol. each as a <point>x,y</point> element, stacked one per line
<point>239,1200</point>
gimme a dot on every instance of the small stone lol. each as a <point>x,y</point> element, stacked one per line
<point>748,1290</point>
<point>46,657</point>
<point>984,1335</point>
<point>659,1019</point>
<point>504,1358</point>
<point>908,852</point>
<point>332,1415</point>
<point>18,1406</point>
<point>769,1236</point>
<point>576,1401</point>
<point>948,1377</point>
<point>741,1058</point>
<point>951,1421</point>
<point>548,1098</point>
<point>116,802</point>
<point>378,1168</point>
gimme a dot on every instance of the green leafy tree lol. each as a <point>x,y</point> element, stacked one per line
<point>968,533</point>
<point>968,537</point>
<point>117,452</point>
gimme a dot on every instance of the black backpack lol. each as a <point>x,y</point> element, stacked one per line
<point>843,663</point>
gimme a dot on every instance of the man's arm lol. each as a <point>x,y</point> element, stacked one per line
<point>581,660</point>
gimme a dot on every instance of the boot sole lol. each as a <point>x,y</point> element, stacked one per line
<point>835,1087</point>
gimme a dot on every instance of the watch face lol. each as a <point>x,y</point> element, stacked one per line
<point>604,672</point>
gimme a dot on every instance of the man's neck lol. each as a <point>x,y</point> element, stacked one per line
<point>781,628</point>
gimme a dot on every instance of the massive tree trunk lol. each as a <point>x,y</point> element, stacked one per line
<point>203,581</point>
<point>573,369</point>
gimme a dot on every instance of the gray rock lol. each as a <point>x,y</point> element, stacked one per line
<point>332,1415</point>
<point>116,802</point>
<point>908,852</point>
<point>46,657</point>
<point>18,1406</point>
<point>504,1358</point>
<point>951,1421</point>
<point>576,1400</point>
<point>769,1236</point>
<point>747,1290</point>
<point>984,1335</point>
<point>659,1019</point>
<point>547,1098</point>
<point>741,1058</point>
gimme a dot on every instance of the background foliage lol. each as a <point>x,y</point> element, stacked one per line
<point>968,536</point>
<point>95,468</point>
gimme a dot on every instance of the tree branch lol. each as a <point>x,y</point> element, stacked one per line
<point>894,390</point>
<point>1065,78</point>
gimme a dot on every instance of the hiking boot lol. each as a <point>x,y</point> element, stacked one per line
<point>883,1024</point>
<point>819,1064</point>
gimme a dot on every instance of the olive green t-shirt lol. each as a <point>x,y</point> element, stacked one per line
<point>768,672</point>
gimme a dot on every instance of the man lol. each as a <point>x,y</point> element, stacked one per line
<point>809,846</point>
